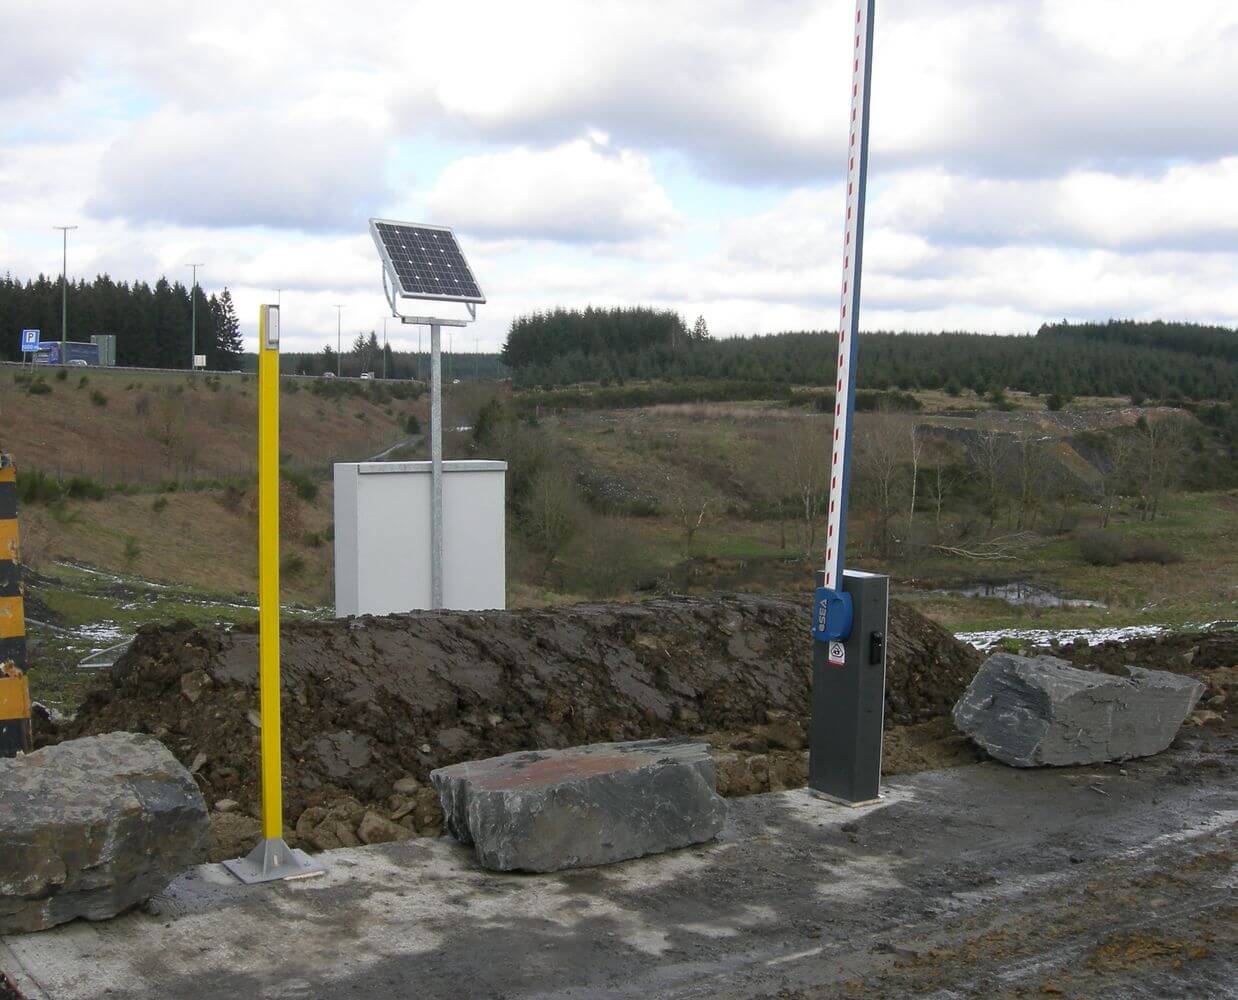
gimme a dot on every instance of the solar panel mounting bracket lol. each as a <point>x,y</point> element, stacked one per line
<point>393,299</point>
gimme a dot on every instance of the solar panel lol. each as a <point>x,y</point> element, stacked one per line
<point>426,261</point>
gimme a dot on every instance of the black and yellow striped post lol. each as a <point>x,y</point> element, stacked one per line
<point>14,691</point>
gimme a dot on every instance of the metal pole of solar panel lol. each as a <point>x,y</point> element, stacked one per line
<point>436,470</point>
<point>430,267</point>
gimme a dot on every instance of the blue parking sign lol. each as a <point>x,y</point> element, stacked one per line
<point>30,341</point>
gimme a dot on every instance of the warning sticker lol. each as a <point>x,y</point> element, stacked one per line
<point>837,654</point>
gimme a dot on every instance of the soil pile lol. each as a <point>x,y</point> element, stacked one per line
<point>371,705</point>
<point>1211,655</point>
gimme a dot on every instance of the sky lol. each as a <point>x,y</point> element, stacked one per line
<point>1031,160</point>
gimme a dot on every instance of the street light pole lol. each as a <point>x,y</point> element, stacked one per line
<point>64,291</point>
<point>339,341</point>
<point>193,310</point>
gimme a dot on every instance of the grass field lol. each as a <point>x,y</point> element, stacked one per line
<point>180,544</point>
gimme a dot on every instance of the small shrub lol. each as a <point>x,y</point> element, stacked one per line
<point>313,539</point>
<point>998,399</point>
<point>232,497</point>
<point>34,487</point>
<point>891,401</point>
<point>98,398</point>
<point>84,488</point>
<point>38,387</point>
<point>83,382</point>
<point>159,503</point>
<point>641,507</point>
<point>1055,401</point>
<point>142,406</point>
<point>411,424</point>
<point>1153,550</point>
<point>292,564</point>
<point>1009,644</point>
<point>62,374</point>
<point>132,550</point>
<point>302,482</point>
<point>1100,548</point>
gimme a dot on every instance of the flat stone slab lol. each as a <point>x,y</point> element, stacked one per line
<point>545,810</point>
<point>92,827</point>
<point>1033,711</point>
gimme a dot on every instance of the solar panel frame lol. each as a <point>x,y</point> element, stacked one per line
<point>402,268</point>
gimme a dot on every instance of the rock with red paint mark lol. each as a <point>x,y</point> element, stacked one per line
<point>545,810</point>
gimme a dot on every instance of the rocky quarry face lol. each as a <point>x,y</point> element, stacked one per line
<point>92,827</point>
<point>1032,711</point>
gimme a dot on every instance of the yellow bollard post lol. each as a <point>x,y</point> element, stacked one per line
<point>272,859</point>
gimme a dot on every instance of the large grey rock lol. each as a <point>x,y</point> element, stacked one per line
<point>1030,711</point>
<point>92,827</point>
<point>545,810</point>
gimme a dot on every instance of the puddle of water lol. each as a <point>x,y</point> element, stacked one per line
<point>1022,594</point>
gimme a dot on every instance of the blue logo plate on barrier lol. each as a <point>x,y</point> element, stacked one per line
<point>831,615</point>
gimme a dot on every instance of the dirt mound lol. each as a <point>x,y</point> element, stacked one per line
<point>371,705</point>
<point>1180,652</point>
<point>1209,654</point>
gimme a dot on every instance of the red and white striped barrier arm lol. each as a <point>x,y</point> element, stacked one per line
<point>849,325</point>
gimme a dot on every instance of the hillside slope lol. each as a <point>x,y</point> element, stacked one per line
<point>138,428</point>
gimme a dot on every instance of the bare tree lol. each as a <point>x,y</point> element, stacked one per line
<point>801,467</point>
<point>917,449</point>
<point>1031,460</point>
<point>1160,454</point>
<point>551,514</point>
<point>881,442</point>
<point>1115,471</point>
<point>987,453</point>
<point>689,504</point>
<point>939,483</point>
<point>168,426</point>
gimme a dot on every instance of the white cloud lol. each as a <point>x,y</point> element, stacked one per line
<point>248,168</point>
<point>1187,206</point>
<point>578,192</point>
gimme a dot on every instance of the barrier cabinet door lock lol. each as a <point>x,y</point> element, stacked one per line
<point>876,648</point>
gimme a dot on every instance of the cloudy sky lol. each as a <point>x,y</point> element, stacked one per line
<point>1031,159</point>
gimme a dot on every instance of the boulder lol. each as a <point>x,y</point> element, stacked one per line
<point>376,829</point>
<point>542,811</point>
<point>92,827</point>
<point>1033,711</point>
